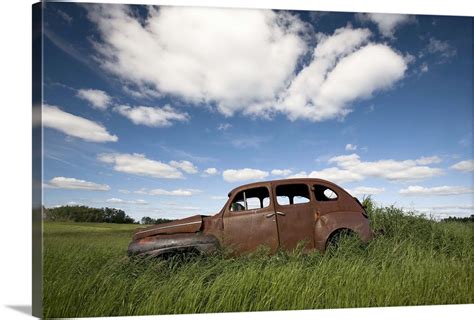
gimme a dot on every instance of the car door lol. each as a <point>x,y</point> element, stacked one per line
<point>295,214</point>
<point>249,220</point>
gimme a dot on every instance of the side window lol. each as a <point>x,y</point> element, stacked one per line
<point>250,199</point>
<point>323,193</point>
<point>289,194</point>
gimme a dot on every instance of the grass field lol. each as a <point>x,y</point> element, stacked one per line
<point>415,262</point>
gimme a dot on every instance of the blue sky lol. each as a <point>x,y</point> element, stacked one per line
<point>162,111</point>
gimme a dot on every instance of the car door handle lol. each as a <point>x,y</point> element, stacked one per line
<point>273,213</point>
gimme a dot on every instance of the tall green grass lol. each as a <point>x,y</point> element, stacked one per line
<point>414,261</point>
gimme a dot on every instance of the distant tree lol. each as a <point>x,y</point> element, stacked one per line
<point>457,219</point>
<point>148,220</point>
<point>86,214</point>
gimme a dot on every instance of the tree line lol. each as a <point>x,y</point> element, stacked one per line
<point>458,219</point>
<point>77,213</point>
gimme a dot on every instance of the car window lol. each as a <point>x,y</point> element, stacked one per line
<point>290,194</point>
<point>250,199</point>
<point>323,193</point>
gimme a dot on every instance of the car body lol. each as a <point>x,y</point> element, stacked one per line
<point>278,214</point>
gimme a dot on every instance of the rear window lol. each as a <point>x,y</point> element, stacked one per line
<point>323,193</point>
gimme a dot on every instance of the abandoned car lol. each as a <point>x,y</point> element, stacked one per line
<point>277,214</point>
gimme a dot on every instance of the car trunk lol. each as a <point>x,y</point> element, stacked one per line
<point>186,225</point>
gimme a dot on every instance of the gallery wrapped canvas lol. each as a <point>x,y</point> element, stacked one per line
<point>196,160</point>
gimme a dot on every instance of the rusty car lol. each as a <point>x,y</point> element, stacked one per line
<point>278,214</point>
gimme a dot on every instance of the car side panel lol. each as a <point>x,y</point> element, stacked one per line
<point>326,224</point>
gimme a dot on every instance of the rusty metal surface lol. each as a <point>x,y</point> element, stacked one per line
<point>276,225</point>
<point>165,243</point>
<point>186,225</point>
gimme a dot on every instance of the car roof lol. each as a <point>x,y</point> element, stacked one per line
<point>290,180</point>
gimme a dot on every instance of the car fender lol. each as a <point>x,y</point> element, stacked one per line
<point>161,244</point>
<point>326,225</point>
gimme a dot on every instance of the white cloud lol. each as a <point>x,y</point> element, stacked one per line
<point>349,168</point>
<point>351,147</point>
<point>233,175</point>
<point>331,174</point>
<point>97,98</point>
<point>443,211</point>
<point>466,165</point>
<point>438,191</point>
<point>388,169</point>
<point>301,174</point>
<point>121,201</point>
<point>224,126</point>
<point>336,175</point>
<point>386,23</point>
<point>367,191</point>
<point>442,48</point>
<point>252,68</point>
<point>344,68</point>
<point>184,165</point>
<point>218,197</point>
<point>75,126</point>
<point>211,171</point>
<point>281,172</point>
<point>65,16</point>
<point>77,184</point>
<point>428,160</point>
<point>163,192</point>
<point>138,164</point>
<point>152,116</point>
<point>424,67</point>
<point>247,64</point>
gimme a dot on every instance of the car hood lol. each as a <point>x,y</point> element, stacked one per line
<point>186,225</point>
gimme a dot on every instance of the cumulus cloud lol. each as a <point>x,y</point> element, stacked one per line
<point>351,147</point>
<point>121,201</point>
<point>138,164</point>
<point>350,168</point>
<point>388,169</point>
<point>435,191</point>
<point>97,98</point>
<point>211,171</point>
<point>246,64</point>
<point>75,126</point>
<point>386,23</point>
<point>345,67</point>
<point>466,165</point>
<point>281,172</point>
<point>236,175</point>
<point>152,116</point>
<point>184,165</point>
<point>77,184</point>
<point>367,191</point>
<point>252,69</point>
<point>163,192</point>
<point>336,175</point>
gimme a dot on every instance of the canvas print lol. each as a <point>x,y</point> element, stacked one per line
<point>194,160</point>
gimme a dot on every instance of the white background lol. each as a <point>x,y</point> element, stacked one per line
<point>15,156</point>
